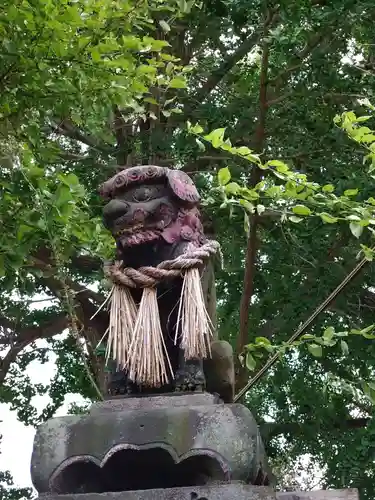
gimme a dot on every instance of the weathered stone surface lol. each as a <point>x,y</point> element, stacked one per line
<point>147,402</point>
<point>347,494</point>
<point>232,491</point>
<point>164,446</point>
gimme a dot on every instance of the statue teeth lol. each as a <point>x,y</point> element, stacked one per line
<point>129,230</point>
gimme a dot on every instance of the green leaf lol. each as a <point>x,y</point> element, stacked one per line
<point>315,349</point>
<point>368,138</point>
<point>247,205</point>
<point>368,391</point>
<point>224,176</point>
<point>301,210</point>
<point>353,218</point>
<point>70,179</point>
<point>264,342</point>
<point>243,151</point>
<point>146,69</point>
<point>294,218</point>
<point>177,83</point>
<point>328,188</point>
<point>164,26</point>
<point>246,223</point>
<point>327,218</point>
<point>363,118</point>
<point>351,192</point>
<point>200,144</point>
<point>337,119</point>
<point>151,100</point>
<point>63,195</point>
<point>356,229</point>
<point>195,129</point>
<point>344,347</point>
<point>367,329</point>
<point>368,252</point>
<point>329,333</point>
<point>250,362</point>
<point>232,188</point>
<point>34,171</point>
<point>216,137</point>
<point>280,166</point>
<point>23,229</point>
<point>249,194</point>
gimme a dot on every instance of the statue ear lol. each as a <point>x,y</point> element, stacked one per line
<point>182,186</point>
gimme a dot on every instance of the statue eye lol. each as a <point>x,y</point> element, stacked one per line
<point>144,194</point>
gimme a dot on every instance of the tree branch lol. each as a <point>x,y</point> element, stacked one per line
<point>219,73</point>
<point>56,285</point>
<point>121,129</point>
<point>252,243</point>
<point>270,430</point>
<point>31,333</point>
<point>25,336</point>
<point>68,129</point>
<point>296,62</point>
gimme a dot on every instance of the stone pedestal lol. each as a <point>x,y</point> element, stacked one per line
<point>230,491</point>
<point>174,446</point>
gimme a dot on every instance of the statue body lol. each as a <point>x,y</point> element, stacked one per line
<point>152,212</point>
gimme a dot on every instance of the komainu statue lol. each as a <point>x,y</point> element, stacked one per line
<point>162,332</point>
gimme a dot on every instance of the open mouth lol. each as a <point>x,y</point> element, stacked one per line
<point>137,228</point>
<point>136,235</point>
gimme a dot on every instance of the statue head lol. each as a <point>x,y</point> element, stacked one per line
<point>147,203</point>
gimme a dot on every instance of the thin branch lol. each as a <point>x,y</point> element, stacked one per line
<point>9,358</point>
<point>31,333</point>
<point>86,263</point>
<point>252,243</point>
<point>56,286</point>
<point>121,132</point>
<point>298,59</point>
<point>68,129</point>
<point>25,336</point>
<point>7,72</point>
<point>219,73</point>
<point>270,430</point>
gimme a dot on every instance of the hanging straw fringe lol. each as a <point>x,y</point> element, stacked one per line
<point>136,339</point>
<point>147,352</point>
<point>122,319</point>
<point>193,322</point>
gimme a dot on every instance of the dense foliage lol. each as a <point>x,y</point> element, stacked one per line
<point>89,85</point>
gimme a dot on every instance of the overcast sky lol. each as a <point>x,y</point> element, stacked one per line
<point>17,441</point>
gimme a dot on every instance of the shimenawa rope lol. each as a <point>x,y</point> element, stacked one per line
<point>135,338</point>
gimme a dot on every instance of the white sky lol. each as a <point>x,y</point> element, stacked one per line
<point>17,441</point>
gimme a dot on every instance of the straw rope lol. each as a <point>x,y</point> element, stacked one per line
<point>135,335</point>
<point>148,276</point>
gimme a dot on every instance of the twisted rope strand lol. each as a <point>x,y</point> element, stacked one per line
<point>148,276</point>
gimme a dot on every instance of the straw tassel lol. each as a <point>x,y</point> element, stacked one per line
<point>122,319</point>
<point>148,361</point>
<point>193,322</point>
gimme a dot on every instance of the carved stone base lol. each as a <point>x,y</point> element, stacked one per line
<point>144,443</point>
<point>232,491</point>
<point>237,491</point>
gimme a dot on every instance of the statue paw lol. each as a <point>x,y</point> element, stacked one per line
<point>190,378</point>
<point>120,385</point>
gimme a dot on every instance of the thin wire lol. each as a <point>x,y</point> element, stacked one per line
<point>305,325</point>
